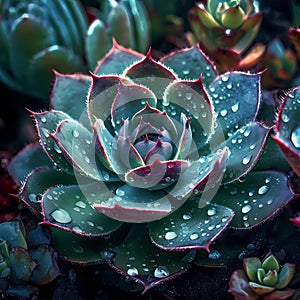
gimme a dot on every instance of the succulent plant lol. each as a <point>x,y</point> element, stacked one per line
<point>26,259</point>
<point>281,66</point>
<point>225,30</point>
<point>145,157</point>
<point>262,279</point>
<point>126,21</point>
<point>287,130</point>
<point>38,36</point>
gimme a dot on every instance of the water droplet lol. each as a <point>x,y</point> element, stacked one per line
<point>246,159</point>
<point>194,236</point>
<point>133,271</point>
<point>36,198</point>
<point>188,96</point>
<point>161,272</point>
<point>56,148</point>
<point>120,192</point>
<point>235,107</point>
<point>214,254</point>
<point>87,160</point>
<point>211,211</point>
<point>234,191</point>
<point>170,235</point>
<point>77,229</point>
<point>187,216</point>
<point>295,137</point>
<point>224,78</point>
<point>186,72</point>
<point>78,249</point>
<point>270,201</point>
<point>223,112</point>
<point>43,119</point>
<point>229,86</point>
<point>285,118</point>
<point>75,133</point>
<point>246,209</point>
<point>263,189</point>
<point>80,204</point>
<point>61,216</point>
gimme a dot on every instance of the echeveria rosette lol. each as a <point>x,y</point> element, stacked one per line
<point>225,30</point>
<point>142,153</point>
<point>262,279</point>
<point>287,130</point>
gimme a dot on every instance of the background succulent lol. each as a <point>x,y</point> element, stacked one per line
<point>26,260</point>
<point>262,279</point>
<point>144,157</point>
<point>225,30</point>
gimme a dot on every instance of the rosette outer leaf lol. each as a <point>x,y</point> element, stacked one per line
<point>137,161</point>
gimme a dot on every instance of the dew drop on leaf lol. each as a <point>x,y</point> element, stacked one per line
<point>187,216</point>
<point>161,272</point>
<point>61,216</point>
<point>194,236</point>
<point>214,254</point>
<point>211,211</point>
<point>133,271</point>
<point>235,107</point>
<point>263,189</point>
<point>170,235</point>
<point>246,209</point>
<point>295,137</point>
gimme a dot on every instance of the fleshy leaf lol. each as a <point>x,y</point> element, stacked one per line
<point>70,208</point>
<point>47,268</point>
<point>239,286</point>
<point>258,197</point>
<point>151,74</point>
<point>84,249</point>
<point>47,123</point>
<point>251,266</point>
<point>192,63</point>
<point>76,143</point>
<point>69,94</point>
<point>38,181</point>
<point>13,234</point>
<point>236,98</point>
<point>190,227</point>
<point>28,159</point>
<point>245,147</point>
<point>261,289</point>
<point>270,263</point>
<point>129,100</point>
<point>190,98</point>
<point>140,259</point>
<point>117,60</point>
<point>157,175</point>
<point>285,275</point>
<point>131,204</point>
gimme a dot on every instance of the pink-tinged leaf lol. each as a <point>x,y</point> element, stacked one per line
<point>117,60</point>
<point>257,198</point>
<point>232,108</point>
<point>47,269</point>
<point>151,74</point>
<point>156,118</point>
<point>190,98</point>
<point>129,100</point>
<point>261,290</point>
<point>21,264</point>
<point>280,295</point>
<point>38,181</point>
<point>138,258</point>
<point>85,249</point>
<point>288,129</point>
<point>124,156</point>
<point>159,174</point>
<point>239,287</point>
<point>70,208</point>
<point>134,205</point>
<point>142,129</point>
<point>101,97</point>
<point>204,174</point>
<point>77,145</point>
<point>47,123</point>
<point>191,63</point>
<point>245,147</point>
<point>28,159</point>
<point>199,229</point>
<point>69,94</point>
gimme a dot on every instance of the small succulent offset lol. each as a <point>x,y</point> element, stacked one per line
<point>226,29</point>
<point>26,260</point>
<point>262,279</point>
<point>144,158</point>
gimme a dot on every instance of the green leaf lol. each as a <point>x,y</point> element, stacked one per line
<point>285,275</point>
<point>28,159</point>
<point>14,234</point>
<point>257,198</point>
<point>270,263</point>
<point>190,64</point>
<point>236,98</point>
<point>251,267</point>
<point>190,227</point>
<point>70,208</point>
